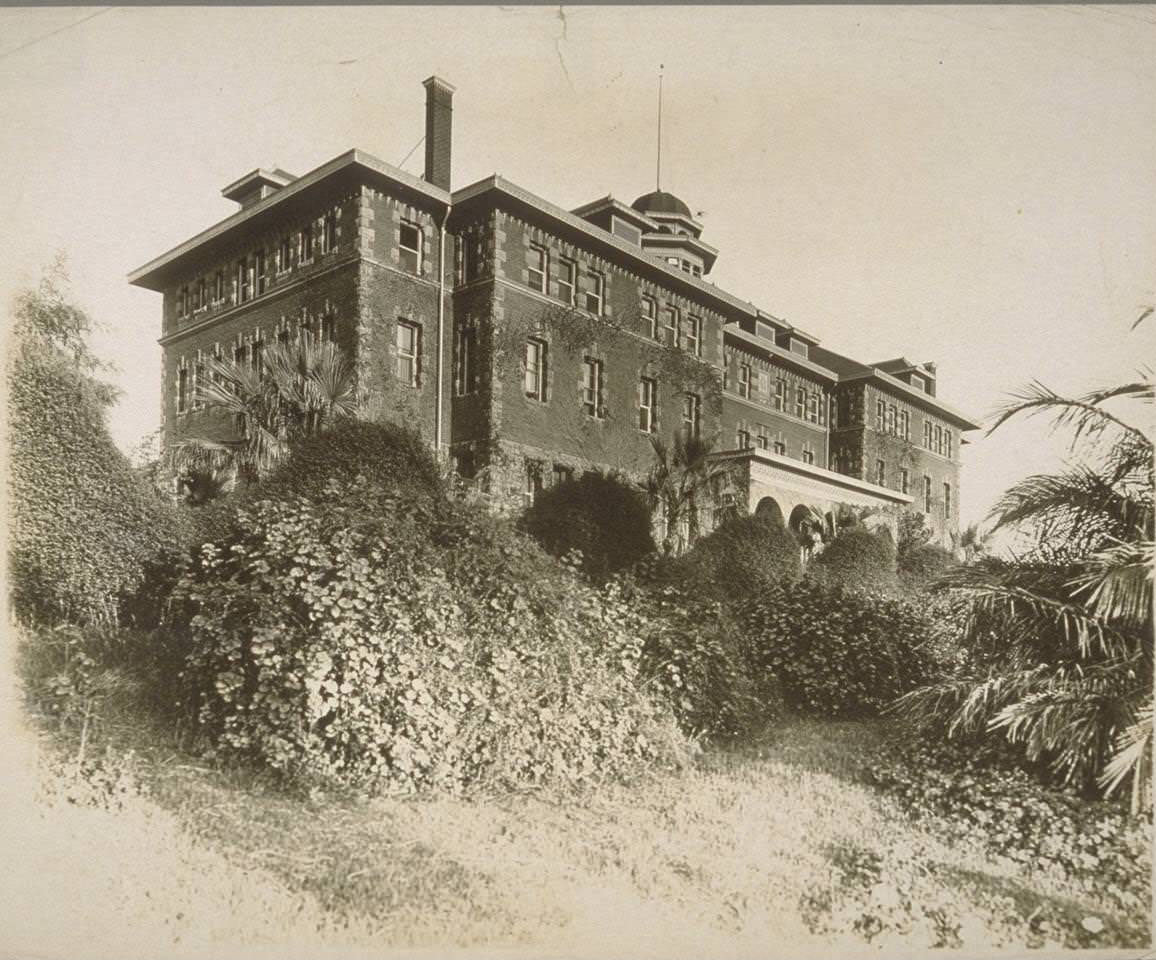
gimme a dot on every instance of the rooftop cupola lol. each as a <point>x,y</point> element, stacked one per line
<point>677,238</point>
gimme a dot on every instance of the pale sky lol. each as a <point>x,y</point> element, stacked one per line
<point>970,185</point>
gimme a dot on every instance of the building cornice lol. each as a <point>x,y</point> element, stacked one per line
<point>148,275</point>
<point>812,472</point>
<point>782,353</point>
<point>918,397</point>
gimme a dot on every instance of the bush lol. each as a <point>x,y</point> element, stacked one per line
<point>693,653</point>
<point>606,518</point>
<point>84,525</point>
<point>407,652</point>
<point>394,460</point>
<point>980,789</point>
<point>743,557</point>
<point>921,566</point>
<point>834,652</point>
<point>857,559</point>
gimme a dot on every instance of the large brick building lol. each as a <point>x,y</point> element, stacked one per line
<point>528,342</point>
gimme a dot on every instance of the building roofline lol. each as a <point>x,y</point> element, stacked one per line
<point>143,276</point>
<point>816,473</point>
<point>783,353</point>
<point>640,220</point>
<point>499,184</point>
<point>960,419</point>
<point>276,178</point>
<point>675,239</point>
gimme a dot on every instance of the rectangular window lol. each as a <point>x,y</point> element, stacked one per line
<point>761,439</point>
<point>780,394</point>
<point>745,380</point>
<point>904,480</point>
<point>880,416</point>
<point>202,293</point>
<point>259,267</point>
<point>947,501</point>
<point>538,263</point>
<point>532,485</point>
<point>562,474</point>
<point>284,254</point>
<point>800,402</point>
<point>306,244</point>
<point>409,247</point>
<point>905,425</point>
<point>465,350</point>
<point>947,444</point>
<point>592,387</point>
<point>808,454</point>
<point>927,494</point>
<point>670,323</point>
<point>329,233</point>
<point>694,335</point>
<point>779,447</point>
<point>534,378</point>
<point>219,287</point>
<point>926,434</point>
<point>198,383</point>
<point>743,440</point>
<point>256,358</point>
<point>244,290</point>
<point>329,328</point>
<point>647,405</point>
<point>182,390</point>
<point>650,317</point>
<point>566,271</point>
<point>240,354</point>
<point>891,421</point>
<point>408,352</point>
<point>880,473</point>
<point>182,302</point>
<point>594,290</point>
<point>813,408</point>
<point>691,414</point>
<point>939,440</point>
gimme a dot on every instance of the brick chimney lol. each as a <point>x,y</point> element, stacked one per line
<point>439,121</point>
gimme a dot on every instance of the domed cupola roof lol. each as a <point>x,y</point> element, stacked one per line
<point>659,201</point>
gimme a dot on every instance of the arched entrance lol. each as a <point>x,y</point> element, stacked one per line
<point>769,508</point>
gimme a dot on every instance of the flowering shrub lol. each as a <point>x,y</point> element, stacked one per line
<point>409,652</point>
<point>976,790</point>
<point>835,652</point>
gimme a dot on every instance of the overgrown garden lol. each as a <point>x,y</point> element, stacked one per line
<point>326,607</point>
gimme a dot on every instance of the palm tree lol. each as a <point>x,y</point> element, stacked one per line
<point>680,483</point>
<point>294,392</point>
<point>1059,640</point>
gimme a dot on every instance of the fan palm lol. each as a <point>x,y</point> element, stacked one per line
<point>1059,640</point>
<point>680,484</point>
<point>295,391</point>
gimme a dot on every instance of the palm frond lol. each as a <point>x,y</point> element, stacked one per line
<point>1132,759</point>
<point>1084,415</point>
<point>1118,583</point>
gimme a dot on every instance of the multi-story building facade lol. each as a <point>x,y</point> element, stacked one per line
<point>529,342</point>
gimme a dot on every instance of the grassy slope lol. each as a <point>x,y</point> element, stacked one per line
<point>777,850</point>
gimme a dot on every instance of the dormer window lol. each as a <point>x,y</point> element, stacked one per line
<point>799,347</point>
<point>919,383</point>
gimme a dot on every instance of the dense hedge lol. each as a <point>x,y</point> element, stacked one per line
<point>857,558</point>
<point>742,557</point>
<point>834,652</point>
<point>84,525</point>
<point>410,652</point>
<point>605,518</point>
